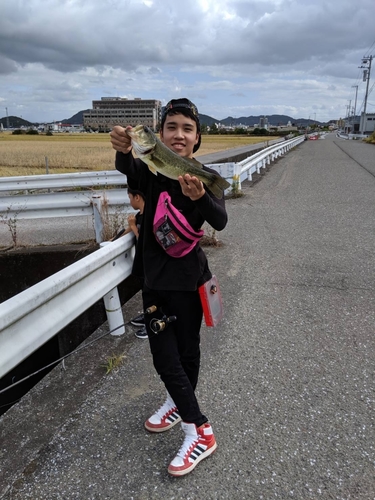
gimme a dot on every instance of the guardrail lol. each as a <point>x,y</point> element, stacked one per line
<point>25,197</point>
<point>28,202</point>
<point>61,203</point>
<point>35,315</point>
<point>62,181</point>
<point>355,137</point>
<point>236,173</point>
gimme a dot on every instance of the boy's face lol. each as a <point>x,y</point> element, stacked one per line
<point>179,134</point>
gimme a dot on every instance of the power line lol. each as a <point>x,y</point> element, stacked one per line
<point>369,50</point>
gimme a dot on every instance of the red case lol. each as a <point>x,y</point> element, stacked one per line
<point>211,301</point>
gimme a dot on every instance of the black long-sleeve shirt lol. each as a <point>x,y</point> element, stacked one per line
<point>151,262</point>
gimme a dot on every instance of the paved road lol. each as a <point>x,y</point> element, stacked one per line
<point>287,378</point>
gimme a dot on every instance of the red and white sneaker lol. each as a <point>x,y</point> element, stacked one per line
<point>199,443</point>
<point>165,418</point>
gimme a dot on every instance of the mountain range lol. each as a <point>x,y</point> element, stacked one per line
<point>273,120</point>
<point>229,121</point>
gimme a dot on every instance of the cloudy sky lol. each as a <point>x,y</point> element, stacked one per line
<point>231,57</point>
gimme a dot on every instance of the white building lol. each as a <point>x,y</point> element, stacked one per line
<point>111,111</point>
<point>367,123</point>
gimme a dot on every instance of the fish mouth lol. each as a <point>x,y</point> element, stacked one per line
<point>141,145</point>
<point>148,151</point>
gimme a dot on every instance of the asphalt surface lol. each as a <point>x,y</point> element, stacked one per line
<point>287,378</point>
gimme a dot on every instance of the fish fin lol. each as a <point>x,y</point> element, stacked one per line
<point>152,169</point>
<point>155,166</point>
<point>218,185</point>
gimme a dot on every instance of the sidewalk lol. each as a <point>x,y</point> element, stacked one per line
<point>287,378</point>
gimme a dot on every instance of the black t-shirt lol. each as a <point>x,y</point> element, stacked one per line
<point>138,220</point>
<point>159,270</point>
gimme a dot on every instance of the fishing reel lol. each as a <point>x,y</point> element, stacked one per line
<point>159,325</point>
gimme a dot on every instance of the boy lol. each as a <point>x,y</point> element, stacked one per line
<point>137,201</point>
<point>170,289</point>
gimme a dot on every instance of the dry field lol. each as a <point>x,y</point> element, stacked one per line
<point>26,155</point>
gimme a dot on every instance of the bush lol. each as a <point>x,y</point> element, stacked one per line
<point>49,133</point>
<point>18,132</point>
<point>240,131</point>
<point>260,131</point>
<point>371,139</point>
<point>32,132</point>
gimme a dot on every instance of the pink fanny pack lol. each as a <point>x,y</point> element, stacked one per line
<point>172,230</point>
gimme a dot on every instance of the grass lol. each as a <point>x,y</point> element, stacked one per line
<point>67,153</point>
<point>113,362</point>
<point>26,155</point>
<point>371,139</point>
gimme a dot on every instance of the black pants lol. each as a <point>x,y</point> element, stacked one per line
<point>176,349</point>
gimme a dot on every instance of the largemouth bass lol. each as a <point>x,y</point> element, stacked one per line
<point>161,159</point>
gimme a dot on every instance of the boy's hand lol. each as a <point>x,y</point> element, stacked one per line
<point>120,139</point>
<point>191,187</point>
<point>131,220</point>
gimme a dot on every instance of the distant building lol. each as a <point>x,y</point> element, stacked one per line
<point>111,111</point>
<point>60,127</point>
<point>263,122</point>
<point>367,123</point>
<point>364,124</point>
<point>351,125</point>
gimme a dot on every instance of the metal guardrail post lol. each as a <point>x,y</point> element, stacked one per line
<point>113,309</point>
<point>236,180</point>
<point>98,222</point>
<point>114,312</point>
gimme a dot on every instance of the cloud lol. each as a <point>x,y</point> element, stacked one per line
<point>220,52</point>
<point>7,66</point>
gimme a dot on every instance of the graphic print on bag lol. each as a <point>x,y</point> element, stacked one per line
<point>172,230</point>
<point>166,235</point>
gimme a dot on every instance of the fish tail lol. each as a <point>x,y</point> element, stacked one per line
<point>217,186</point>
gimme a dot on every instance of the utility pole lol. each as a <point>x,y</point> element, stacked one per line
<point>348,115</point>
<point>366,76</point>
<point>355,104</point>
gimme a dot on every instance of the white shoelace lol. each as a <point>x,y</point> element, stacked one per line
<point>188,442</point>
<point>165,408</point>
